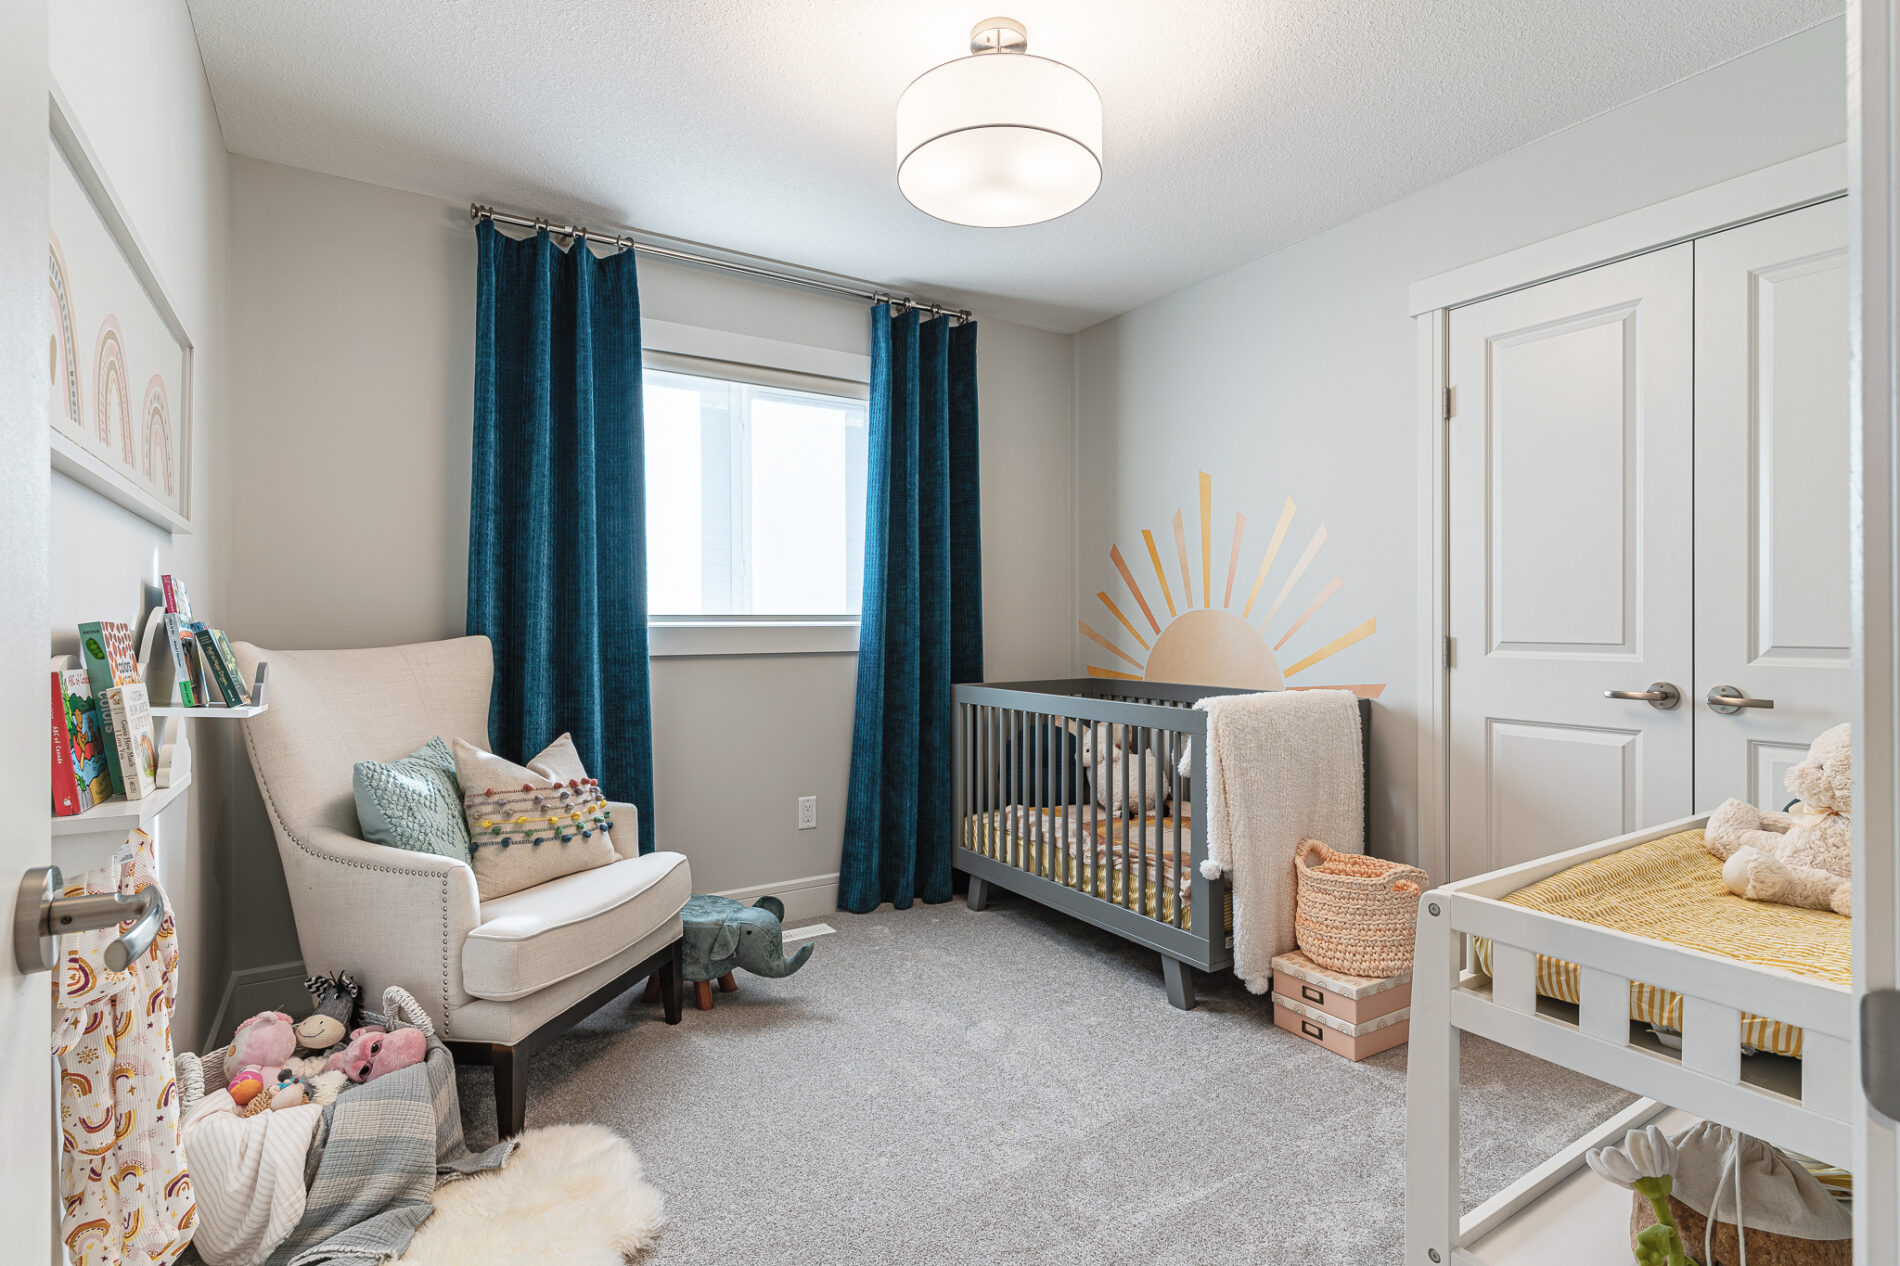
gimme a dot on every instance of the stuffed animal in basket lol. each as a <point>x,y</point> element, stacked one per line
<point>264,1041</point>
<point>373,1051</point>
<point>329,1024</point>
<point>1800,858</point>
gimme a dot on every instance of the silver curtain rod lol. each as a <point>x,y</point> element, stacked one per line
<point>622,241</point>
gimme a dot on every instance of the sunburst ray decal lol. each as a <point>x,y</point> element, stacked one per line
<point>1214,646</point>
<point>1121,565</point>
<point>1180,549</point>
<point>1154,556</point>
<point>1233,558</point>
<point>1273,548</point>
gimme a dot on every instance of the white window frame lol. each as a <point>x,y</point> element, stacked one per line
<point>691,349</point>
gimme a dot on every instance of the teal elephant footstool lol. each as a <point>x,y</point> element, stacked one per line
<point>721,934</point>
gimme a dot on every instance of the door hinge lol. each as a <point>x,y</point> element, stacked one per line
<point>1880,1050</point>
<point>1448,647</point>
<point>1447,405</point>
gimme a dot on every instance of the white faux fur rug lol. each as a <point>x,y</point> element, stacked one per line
<point>572,1194</point>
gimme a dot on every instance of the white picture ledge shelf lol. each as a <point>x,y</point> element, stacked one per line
<point>260,702</point>
<point>119,814</point>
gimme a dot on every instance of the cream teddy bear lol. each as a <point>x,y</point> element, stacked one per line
<point>1804,858</point>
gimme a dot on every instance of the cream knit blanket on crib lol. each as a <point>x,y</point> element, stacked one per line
<point>1281,767</point>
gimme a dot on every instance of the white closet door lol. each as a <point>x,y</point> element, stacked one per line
<point>1570,559</point>
<point>1771,488</point>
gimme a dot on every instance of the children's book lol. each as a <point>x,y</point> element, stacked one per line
<point>175,599</point>
<point>138,751</point>
<point>178,633</point>
<point>105,646</point>
<point>201,683</point>
<point>85,738</point>
<point>222,663</point>
<point>66,792</point>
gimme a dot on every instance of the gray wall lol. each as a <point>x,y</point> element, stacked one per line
<point>134,81</point>
<point>353,375</point>
<point>1295,374</point>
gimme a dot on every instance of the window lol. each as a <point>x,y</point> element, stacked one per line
<point>755,496</point>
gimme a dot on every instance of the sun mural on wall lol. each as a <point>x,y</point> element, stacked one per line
<point>1209,645</point>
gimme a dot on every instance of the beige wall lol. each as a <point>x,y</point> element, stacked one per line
<point>354,377</point>
<point>132,76</point>
<point>1294,375</point>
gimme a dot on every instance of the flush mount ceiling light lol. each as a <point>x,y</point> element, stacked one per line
<point>999,138</point>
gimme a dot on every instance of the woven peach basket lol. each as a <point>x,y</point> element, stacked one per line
<point>1356,914</point>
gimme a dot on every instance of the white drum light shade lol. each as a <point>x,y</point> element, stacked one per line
<point>999,139</point>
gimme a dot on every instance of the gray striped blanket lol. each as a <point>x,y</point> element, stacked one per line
<point>378,1156</point>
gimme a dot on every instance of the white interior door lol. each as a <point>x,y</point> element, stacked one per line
<point>1570,559</point>
<point>27,1208</point>
<point>1771,498</point>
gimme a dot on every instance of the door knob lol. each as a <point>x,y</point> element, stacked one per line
<point>1660,695</point>
<point>1728,700</point>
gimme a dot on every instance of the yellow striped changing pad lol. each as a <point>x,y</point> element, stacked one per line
<point>1671,890</point>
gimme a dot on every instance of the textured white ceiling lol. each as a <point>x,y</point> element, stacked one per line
<point>1232,127</point>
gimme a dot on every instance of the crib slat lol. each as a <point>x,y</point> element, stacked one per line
<point>1826,1075</point>
<point>1015,825</point>
<point>1712,1039</point>
<point>1604,1005</point>
<point>1096,794</point>
<point>1120,819</point>
<point>1514,978</point>
<point>1177,884</point>
<point>1140,861</point>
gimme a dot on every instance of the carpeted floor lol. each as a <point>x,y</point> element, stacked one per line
<point>941,1086</point>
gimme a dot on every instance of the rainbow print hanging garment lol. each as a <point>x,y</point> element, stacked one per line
<point>124,1194</point>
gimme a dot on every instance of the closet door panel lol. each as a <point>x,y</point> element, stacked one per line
<point>1771,496</point>
<point>1570,559</point>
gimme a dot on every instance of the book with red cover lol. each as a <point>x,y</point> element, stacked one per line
<point>65,784</point>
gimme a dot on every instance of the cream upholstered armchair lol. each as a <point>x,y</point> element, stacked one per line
<point>499,978</point>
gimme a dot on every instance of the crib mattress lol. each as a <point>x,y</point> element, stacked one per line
<point>1126,854</point>
<point>1671,890</point>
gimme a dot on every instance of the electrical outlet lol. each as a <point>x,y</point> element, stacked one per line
<point>808,813</point>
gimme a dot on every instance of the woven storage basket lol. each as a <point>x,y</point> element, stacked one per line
<point>196,1072</point>
<point>1356,914</point>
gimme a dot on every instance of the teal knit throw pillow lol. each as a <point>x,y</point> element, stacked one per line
<point>413,803</point>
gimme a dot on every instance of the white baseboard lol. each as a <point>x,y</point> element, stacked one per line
<point>241,991</point>
<point>809,898</point>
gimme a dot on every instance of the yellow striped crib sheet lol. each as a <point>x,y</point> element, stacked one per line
<point>1671,890</point>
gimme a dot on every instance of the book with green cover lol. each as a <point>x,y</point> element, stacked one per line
<point>105,647</point>
<point>223,664</point>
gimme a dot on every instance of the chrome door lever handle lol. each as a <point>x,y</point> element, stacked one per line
<point>1728,700</point>
<point>1660,695</point>
<point>40,914</point>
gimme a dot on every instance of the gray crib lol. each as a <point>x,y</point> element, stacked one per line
<point>1026,821</point>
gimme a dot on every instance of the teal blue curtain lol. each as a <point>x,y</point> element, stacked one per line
<point>922,622</point>
<point>557,508</point>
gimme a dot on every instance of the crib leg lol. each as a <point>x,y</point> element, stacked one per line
<point>978,898</point>
<point>1180,978</point>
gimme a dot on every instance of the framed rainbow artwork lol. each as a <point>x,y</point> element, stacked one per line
<point>118,358</point>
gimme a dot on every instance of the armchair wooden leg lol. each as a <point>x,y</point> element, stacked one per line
<point>511,1090</point>
<point>673,982</point>
<point>653,989</point>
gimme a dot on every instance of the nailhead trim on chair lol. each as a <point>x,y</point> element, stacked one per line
<point>277,823</point>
